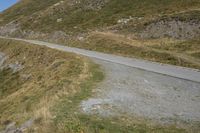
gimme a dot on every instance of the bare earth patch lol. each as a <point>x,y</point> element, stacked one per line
<point>137,93</point>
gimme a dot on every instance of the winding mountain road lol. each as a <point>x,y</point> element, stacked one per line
<point>170,70</point>
<point>141,88</point>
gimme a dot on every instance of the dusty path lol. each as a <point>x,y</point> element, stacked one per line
<point>141,88</point>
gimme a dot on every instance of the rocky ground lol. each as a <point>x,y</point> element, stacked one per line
<point>2,58</point>
<point>12,128</point>
<point>135,92</point>
<point>173,28</point>
<point>13,66</point>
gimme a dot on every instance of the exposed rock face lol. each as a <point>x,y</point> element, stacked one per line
<point>59,35</point>
<point>10,29</point>
<point>15,67</point>
<point>14,30</point>
<point>95,4</point>
<point>56,36</point>
<point>89,4</point>
<point>11,128</point>
<point>173,28</point>
<point>2,59</point>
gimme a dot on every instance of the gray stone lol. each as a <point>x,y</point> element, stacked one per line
<point>172,28</point>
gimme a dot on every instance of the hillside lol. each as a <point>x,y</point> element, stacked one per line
<point>36,81</point>
<point>44,90</point>
<point>73,15</point>
<point>164,31</point>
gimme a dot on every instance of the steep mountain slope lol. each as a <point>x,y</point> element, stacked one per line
<point>73,22</point>
<point>41,89</point>
<point>34,82</point>
<point>85,14</point>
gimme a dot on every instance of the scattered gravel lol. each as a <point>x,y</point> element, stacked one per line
<point>141,93</point>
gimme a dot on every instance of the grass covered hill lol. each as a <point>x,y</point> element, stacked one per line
<point>42,15</point>
<point>36,82</point>
<point>41,90</point>
<point>165,31</point>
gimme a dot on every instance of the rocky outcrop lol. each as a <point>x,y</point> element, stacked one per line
<point>10,29</point>
<point>14,30</point>
<point>89,4</point>
<point>173,28</point>
<point>11,127</point>
<point>15,67</point>
<point>2,59</point>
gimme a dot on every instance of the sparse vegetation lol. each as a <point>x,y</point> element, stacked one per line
<point>53,75</point>
<point>180,47</point>
<point>52,97</point>
<point>52,84</point>
<point>77,16</point>
<point>150,50</point>
<point>74,20</point>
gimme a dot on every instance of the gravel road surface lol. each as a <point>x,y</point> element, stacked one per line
<point>136,92</point>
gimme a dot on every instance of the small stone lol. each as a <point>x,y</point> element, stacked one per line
<point>59,20</point>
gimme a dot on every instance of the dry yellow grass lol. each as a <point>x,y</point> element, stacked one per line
<point>53,74</point>
<point>165,50</point>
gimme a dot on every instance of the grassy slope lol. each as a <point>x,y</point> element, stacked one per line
<point>52,97</point>
<point>40,16</point>
<point>25,8</point>
<point>181,53</point>
<point>52,76</point>
<point>89,19</point>
<point>70,120</point>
